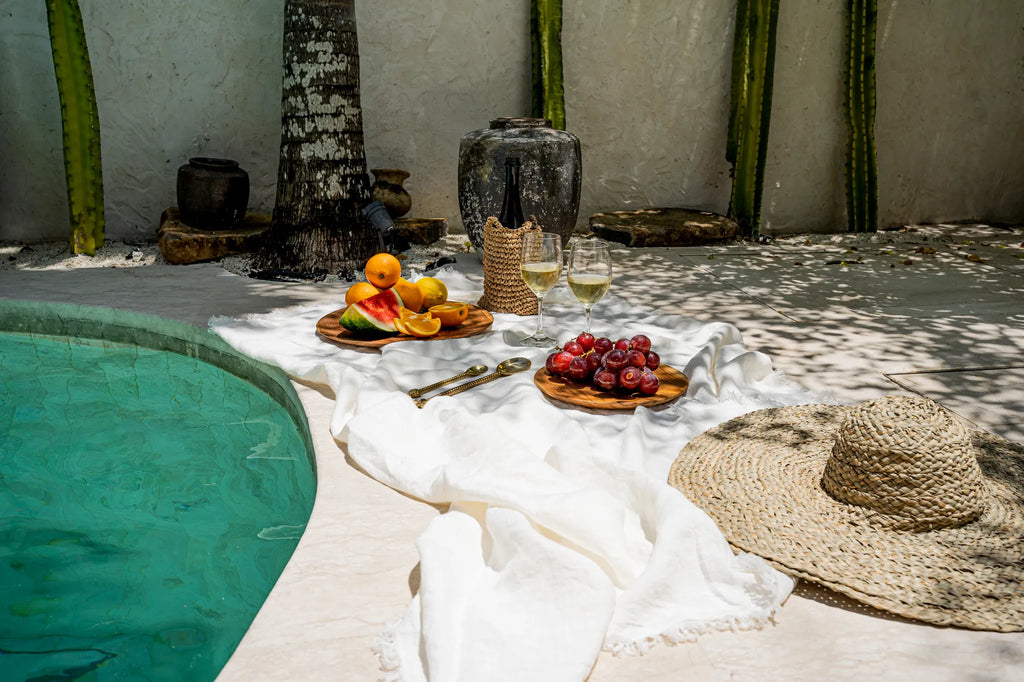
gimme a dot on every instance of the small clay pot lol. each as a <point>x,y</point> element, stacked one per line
<point>387,189</point>
<point>213,194</point>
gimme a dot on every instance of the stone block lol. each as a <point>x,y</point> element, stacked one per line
<point>182,244</point>
<point>664,227</point>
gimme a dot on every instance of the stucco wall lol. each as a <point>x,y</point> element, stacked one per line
<point>647,93</point>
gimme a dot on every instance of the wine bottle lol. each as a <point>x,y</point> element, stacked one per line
<point>511,210</point>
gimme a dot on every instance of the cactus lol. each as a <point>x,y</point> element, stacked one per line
<point>548,92</point>
<point>859,111</point>
<point>750,107</point>
<point>80,125</point>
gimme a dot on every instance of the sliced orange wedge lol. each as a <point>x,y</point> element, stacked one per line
<point>451,314</point>
<point>420,327</point>
<point>399,326</point>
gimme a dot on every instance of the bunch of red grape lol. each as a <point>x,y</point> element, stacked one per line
<point>625,365</point>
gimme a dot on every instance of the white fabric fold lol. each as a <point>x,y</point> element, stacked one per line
<point>563,537</point>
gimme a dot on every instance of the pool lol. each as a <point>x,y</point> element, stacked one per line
<point>153,485</point>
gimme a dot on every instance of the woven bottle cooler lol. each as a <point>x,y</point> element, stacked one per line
<point>504,288</point>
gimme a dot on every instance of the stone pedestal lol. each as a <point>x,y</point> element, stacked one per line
<point>182,244</point>
<point>664,227</point>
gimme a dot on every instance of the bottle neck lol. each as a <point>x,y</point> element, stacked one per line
<point>511,209</point>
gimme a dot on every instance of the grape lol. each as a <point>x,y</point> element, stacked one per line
<point>629,377</point>
<point>573,347</point>
<point>614,359</point>
<point>636,358</point>
<point>649,383</point>
<point>624,364</point>
<point>640,343</point>
<point>606,379</point>
<point>586,340</point>
<point>558,363</point>
<point>578,369</point>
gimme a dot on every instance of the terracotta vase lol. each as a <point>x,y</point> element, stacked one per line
<point>387,189</point>
<point>549,177</point>
<point>212,193</point>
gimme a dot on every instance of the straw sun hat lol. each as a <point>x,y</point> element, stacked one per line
<point>892,502</point>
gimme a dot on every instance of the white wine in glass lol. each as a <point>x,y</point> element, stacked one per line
<point>590,273</point>
<point>541,266</point>
<point>541,277</point>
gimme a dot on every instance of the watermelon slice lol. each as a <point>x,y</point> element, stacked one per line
<point>374,316</point>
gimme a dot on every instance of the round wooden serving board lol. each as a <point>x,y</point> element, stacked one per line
<point>477,322</point>
<point>673,385</point>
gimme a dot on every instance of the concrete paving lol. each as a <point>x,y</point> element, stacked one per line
<point>936,310</point>
<point>901,312</point>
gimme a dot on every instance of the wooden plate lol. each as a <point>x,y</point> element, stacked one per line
<point>477,322</point>
<point>673,385</point>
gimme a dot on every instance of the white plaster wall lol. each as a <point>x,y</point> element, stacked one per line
<point>949,126</point>
<point>647,93</point>
<point>429,73</point>
<point>173,79</point>
<point>803,183</point>
<point>951,135</point>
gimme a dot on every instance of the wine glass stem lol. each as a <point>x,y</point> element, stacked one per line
<point>588,308</point>
<point>540,317</point>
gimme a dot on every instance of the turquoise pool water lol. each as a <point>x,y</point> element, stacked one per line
<point>149,500</point>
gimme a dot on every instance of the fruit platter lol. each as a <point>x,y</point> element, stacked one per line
<point>387,308</point>
<point>602,374</point>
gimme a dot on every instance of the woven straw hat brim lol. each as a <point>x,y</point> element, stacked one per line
<point>759,477</point>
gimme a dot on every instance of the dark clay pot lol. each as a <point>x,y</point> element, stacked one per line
<point>387,189</point>
<point>549,180</point>
<point>212,193</point>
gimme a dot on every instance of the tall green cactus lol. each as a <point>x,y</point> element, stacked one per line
<point>750,107</point>
<point>80,125</point>
<point>548,92</point>
<point>859,110</point>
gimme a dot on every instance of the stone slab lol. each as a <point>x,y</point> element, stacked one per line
<point>421,231</point>
<point>182,244</point>
<point>664,227</point>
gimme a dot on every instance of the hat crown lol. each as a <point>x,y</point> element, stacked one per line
<point>908,461</point>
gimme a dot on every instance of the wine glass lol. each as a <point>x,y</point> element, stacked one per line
<point>541,265</point>
<point>590,273</point>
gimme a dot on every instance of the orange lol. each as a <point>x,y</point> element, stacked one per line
<point>417,326</point>
<point>404,314</point>
<point>451,314</point>
<point>434,291</point>
<point>360,291</point>
<point>383,270</point>
<point>411,295</point>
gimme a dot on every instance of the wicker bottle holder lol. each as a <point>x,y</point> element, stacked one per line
<point>504,289</point>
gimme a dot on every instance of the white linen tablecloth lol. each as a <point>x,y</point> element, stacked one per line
<point>562,537</point>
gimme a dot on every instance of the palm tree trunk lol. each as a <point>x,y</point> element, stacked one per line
<point>321,183</point>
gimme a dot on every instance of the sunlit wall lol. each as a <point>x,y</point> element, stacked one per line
<point>646,92</point>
